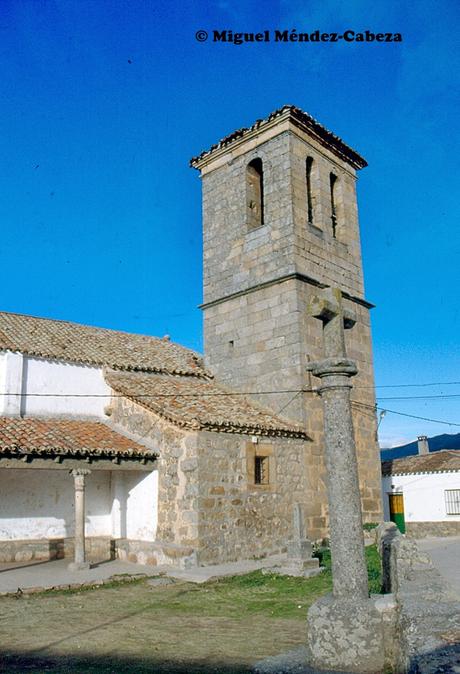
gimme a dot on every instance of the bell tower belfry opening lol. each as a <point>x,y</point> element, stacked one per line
<point>280,221</point>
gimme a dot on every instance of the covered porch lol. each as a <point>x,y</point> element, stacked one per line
<point>73,488</point>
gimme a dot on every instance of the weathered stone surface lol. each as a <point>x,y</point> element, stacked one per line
<point>213,506</point>
<point>349,572</point>
<point>98,548</point>
<point>261,338</point>
<point>427,608</point>
<point>345,635</point>
<point>299,560</point>
<point>153,553</point>
<point>425,529</point>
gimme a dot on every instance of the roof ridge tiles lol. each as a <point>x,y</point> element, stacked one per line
<point>325,137</point>
<point>58,339</point>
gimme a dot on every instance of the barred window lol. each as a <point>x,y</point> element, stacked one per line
<point>261,470</point>
<point>452,497</point>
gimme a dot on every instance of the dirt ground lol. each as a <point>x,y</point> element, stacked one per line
<point>179,628</point>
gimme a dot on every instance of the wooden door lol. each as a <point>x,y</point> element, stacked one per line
<point>397,511</point>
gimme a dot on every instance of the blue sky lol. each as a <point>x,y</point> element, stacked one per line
<point>105,101</point>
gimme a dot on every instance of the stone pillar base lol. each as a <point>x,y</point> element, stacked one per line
<point>345,635</point>
<point>78,566</point>
<point>302,568</point>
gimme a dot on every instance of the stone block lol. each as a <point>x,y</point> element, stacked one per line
<point>345,635</point>
<point>299,549</point>
<point>23,556</point>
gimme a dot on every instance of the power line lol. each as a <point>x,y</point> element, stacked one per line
<point>214,394</point>
<point>434,383</point>
<point>296,392</point>
<point>404,414</point>
<point>445,395</point>
<point>158,395</point>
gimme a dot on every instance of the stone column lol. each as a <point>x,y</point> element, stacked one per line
<point>344,629</point>
<point>79,562</point>
<point>349,573</point>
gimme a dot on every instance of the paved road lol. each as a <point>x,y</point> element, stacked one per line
<point>445,553</point>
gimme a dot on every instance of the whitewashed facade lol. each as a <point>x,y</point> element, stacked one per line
<point>38,503</point>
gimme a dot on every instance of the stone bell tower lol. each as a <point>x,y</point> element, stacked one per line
<point>280,221</point>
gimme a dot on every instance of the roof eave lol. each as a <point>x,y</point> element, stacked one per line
<point>291,113</point>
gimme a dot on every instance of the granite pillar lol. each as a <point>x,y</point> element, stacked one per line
<point>344,629</point>
<point>79,563</point>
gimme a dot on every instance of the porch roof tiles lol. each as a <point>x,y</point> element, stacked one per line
<point>198,403</point>
<point>32,437</point>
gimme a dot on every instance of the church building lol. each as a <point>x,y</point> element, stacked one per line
<point>183,460</point>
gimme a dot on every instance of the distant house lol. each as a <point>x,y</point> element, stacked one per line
<point>435,444</point>
<point>422,493</point>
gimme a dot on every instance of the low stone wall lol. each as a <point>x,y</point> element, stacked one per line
<point>155,553</point>
<point>98,549</point>
<point>427,608</point>
<point>425,529</point>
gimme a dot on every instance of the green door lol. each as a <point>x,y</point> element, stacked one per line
<point>397,511</point>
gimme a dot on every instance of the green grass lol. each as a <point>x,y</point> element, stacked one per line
<point>268,593</point>
<point>240,596</point>
<point>369,526</point>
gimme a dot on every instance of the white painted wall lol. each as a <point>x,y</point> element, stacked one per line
<point>39,503</point>
<point>423,495</point>
<point>71,382</point>
<point>74,382</point>
<point>135,505</point>
<point>142,505</point>
<point>11,372</point>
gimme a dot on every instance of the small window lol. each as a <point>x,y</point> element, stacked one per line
<point>309,165</point>
<point>332,183</point>
<point>261,466</point>
<point>261,473</point>
<point>452,497</point>
<point>255,194</point>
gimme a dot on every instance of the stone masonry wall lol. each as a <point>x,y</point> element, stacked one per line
<point>210,509</point>
<point>334,261</point>
<point>177,519</point>
<point>235,258</point>
<point>98,549</point>
<point>425,529</point>
<point>241,520</point>
<point>260,340</point>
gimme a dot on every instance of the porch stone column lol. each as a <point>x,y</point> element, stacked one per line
<point>79,562</point>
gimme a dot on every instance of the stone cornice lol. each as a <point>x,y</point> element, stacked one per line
<point>281,279</point>
<point>282,118</point>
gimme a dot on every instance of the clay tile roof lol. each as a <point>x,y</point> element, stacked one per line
<point>63,340</point>
<point>301,119</point>
<point>66,438</point>
<point>201,404</point>
<point>443,461</point>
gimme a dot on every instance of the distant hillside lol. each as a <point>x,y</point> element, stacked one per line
<point>436,443</point>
